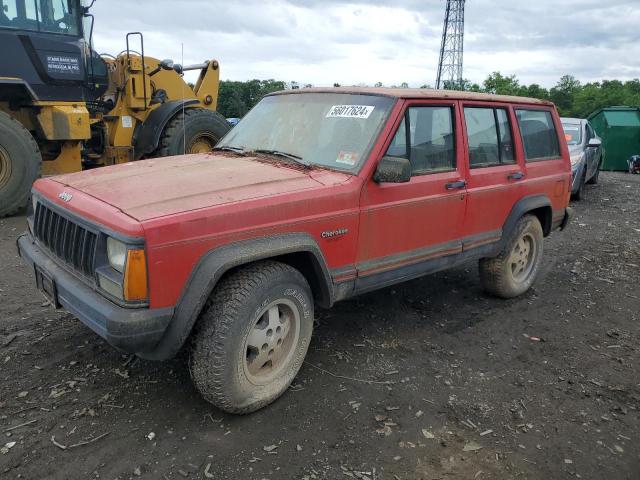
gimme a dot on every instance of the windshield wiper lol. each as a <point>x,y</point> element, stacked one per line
<point>239,150</point>
<point>290,156</point>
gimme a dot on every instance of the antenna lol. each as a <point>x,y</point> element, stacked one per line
<point>184,134</point>
<point>451,49</point>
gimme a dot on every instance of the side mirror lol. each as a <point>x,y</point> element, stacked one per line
<point>393,170</point>
<point>594,143</point>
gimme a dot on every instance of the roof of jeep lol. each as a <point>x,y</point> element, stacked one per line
<point>417,93</point>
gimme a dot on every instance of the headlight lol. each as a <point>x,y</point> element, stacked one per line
<point>575,159</point>
<point>117,253</point>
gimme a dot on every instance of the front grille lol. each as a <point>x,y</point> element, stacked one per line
<point>66,239</point>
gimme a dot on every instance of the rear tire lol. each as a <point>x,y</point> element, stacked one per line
<point>202,130</point>
<point>20,163</point>
<point>514,270</point>
<point>252,337</point>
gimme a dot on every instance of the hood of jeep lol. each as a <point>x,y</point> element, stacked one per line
<point>164,186</point>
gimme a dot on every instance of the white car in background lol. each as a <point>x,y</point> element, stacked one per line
<point>585,149</point>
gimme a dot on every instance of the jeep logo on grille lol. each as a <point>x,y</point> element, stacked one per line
<point>65,196</point>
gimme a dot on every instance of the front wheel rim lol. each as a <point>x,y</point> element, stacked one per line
<point>271,342</point>
<point>522,258</point>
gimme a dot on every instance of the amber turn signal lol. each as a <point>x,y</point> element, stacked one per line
<point>135,277</point>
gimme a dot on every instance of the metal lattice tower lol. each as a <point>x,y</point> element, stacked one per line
<point>451,49</point>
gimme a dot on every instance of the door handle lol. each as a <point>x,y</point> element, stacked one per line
<point>515,176</point>
<point>455,185</point>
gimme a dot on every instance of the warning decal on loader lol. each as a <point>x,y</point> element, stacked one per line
<point>63,64</point>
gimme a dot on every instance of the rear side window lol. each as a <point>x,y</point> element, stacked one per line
<point>426,138</point>
<point>489,137</point>
<point>538,135</point>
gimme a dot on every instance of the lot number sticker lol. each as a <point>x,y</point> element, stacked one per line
<point>350,111</point>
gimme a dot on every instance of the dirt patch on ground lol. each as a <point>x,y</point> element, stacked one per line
<point>465,388</point>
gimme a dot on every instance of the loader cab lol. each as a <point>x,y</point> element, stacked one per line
<point>45,49</point>
<point>60,17</point>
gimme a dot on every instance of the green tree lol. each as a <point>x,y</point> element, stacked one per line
<point>563,94</point>
<point>499,84</point>
<point>235,98</point>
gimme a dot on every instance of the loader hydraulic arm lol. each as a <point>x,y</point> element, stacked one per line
<point>206,88</point>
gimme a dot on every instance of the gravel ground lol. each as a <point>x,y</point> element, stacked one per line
<point>431,379</point>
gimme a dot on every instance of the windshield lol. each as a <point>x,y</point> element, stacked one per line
<point>52,16</point>
<point>332,130</point>
<point>573,133</point>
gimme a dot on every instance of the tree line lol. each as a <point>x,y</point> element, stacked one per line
<point>573,98</point>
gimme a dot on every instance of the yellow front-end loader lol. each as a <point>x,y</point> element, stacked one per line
<point>64,108</point>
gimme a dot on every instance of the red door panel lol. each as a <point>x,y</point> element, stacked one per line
<point>550,177</point>
<point>406,223</point>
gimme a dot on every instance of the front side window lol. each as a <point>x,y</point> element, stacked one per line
<point>429,143</point>
<point>590,133</point>
<point>53,16</point>
<point>538,135</point>
<point>489,137</point>
<point>332,130</point>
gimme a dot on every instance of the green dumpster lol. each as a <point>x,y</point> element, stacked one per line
<point>619,128</point>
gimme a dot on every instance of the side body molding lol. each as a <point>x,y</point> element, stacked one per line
<point>214,264</point>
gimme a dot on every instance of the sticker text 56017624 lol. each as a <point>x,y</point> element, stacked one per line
<point>350,111</point>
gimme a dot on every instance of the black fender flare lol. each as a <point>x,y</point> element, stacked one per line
<point>215,263</point>
<point>147,136</point>
<point>16,90</point>
<point>521,208</point>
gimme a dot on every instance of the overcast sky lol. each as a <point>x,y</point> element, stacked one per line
<point>366,41</point>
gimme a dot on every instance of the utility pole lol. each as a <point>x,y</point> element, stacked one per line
<point>451,49</point>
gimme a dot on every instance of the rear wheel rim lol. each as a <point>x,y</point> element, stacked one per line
<point>271,342</point>
<point>202,143</point>
<point>5,167</point>
<point>522,258</point>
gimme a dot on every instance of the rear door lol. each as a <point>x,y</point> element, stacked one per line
<point>406,227</point>
<point>495,171</point>
<point>546,158</point>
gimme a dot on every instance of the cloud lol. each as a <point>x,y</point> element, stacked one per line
<point>366,41</point>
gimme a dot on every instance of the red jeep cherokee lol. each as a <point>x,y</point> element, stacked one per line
<point>315,196</point>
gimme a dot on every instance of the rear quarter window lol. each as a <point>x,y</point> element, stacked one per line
<point>539,136</point>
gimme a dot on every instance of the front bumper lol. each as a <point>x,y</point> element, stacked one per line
<point>568,215</point>
<point>133,330</point>
<point>577,171</point>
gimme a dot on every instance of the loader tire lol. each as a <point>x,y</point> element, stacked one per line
<point>202,130</point>
<point>20,163</point>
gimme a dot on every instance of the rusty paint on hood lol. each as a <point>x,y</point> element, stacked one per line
<point>153,188</point>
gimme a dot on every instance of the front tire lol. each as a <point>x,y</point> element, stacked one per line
<point>514,270</point>
<point>579,193</point>
<point>197,130</point>
<point>252,337</point>
<point>594,180</point>
<point>20,163</point>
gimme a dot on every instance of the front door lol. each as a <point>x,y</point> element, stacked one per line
<point>408,229</point>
